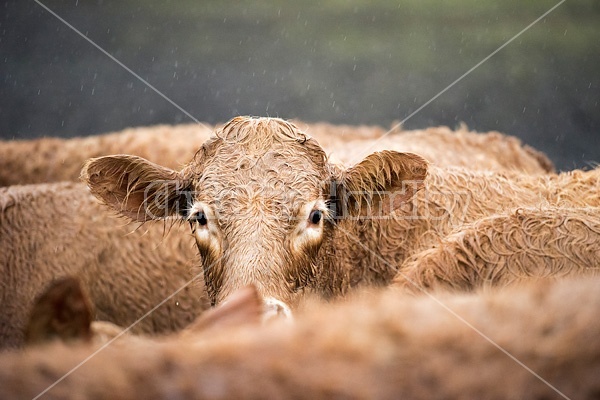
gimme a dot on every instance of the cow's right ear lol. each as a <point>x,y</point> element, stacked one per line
<point>137,188</point>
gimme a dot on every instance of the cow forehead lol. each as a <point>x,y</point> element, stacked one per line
<point>266,181</point>
<point>263,162</point>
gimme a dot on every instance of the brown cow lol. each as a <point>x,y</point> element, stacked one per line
<point>507,248</point>
<point>55,159</point>
<point>51,230</point>
<point>440,146</point>
<point>539,341</point>
<point>64,312</point>
<point>267,208</point>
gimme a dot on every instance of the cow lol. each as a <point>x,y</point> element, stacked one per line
<point>536,341</point>
<point>266,207</point>
<point>49,231</point>
<point>55,159</point>
<point>64,311</point>
<point>507,248</point>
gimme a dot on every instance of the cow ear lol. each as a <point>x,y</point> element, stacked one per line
<point>63,311</point>
<point>137,188</point>
<point>380,184</point>
<point>244,306</point>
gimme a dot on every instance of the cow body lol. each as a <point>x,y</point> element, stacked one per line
<point>52,230</point>
<point>541,340</point>
<point>54,159</point>
<point>506,248</point>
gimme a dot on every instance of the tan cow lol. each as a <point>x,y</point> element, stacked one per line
<point>267,208</point>
<point>64,312</point>
<point>539,341</point>
<point>440,146</point>
<point>55,159</point>
<point>52,230</point>
<point>508,248</point>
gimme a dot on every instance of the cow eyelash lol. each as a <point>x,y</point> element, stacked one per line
<point>321,214</point>
<point>331,212</point>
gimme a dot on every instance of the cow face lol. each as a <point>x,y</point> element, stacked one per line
<point>262,202</point>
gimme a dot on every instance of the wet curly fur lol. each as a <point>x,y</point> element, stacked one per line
<point>508,248</point>
<point>48,231</point>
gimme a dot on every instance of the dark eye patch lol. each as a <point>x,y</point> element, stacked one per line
<point>200,218</point>
<point>315,217</point>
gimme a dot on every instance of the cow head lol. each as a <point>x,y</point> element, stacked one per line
<point>261,199</point>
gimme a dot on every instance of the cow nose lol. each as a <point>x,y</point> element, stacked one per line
<point>276,309</point>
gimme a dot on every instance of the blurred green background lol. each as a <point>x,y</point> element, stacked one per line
<point>354,62</point>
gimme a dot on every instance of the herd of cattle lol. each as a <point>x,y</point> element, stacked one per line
<point>296,260</point>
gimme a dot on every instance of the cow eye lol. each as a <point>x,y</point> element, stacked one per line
<point>200,218</point>
<point>315,217</point>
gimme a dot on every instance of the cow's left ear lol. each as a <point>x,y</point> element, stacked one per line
<point>379,184</point>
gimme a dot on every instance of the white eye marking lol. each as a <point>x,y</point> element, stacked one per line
<point>205,228</point>
<point>313,214</point>
<point>276,309</point>
<point>309,230</point>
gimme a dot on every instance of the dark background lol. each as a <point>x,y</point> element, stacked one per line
<point>353,62</point>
